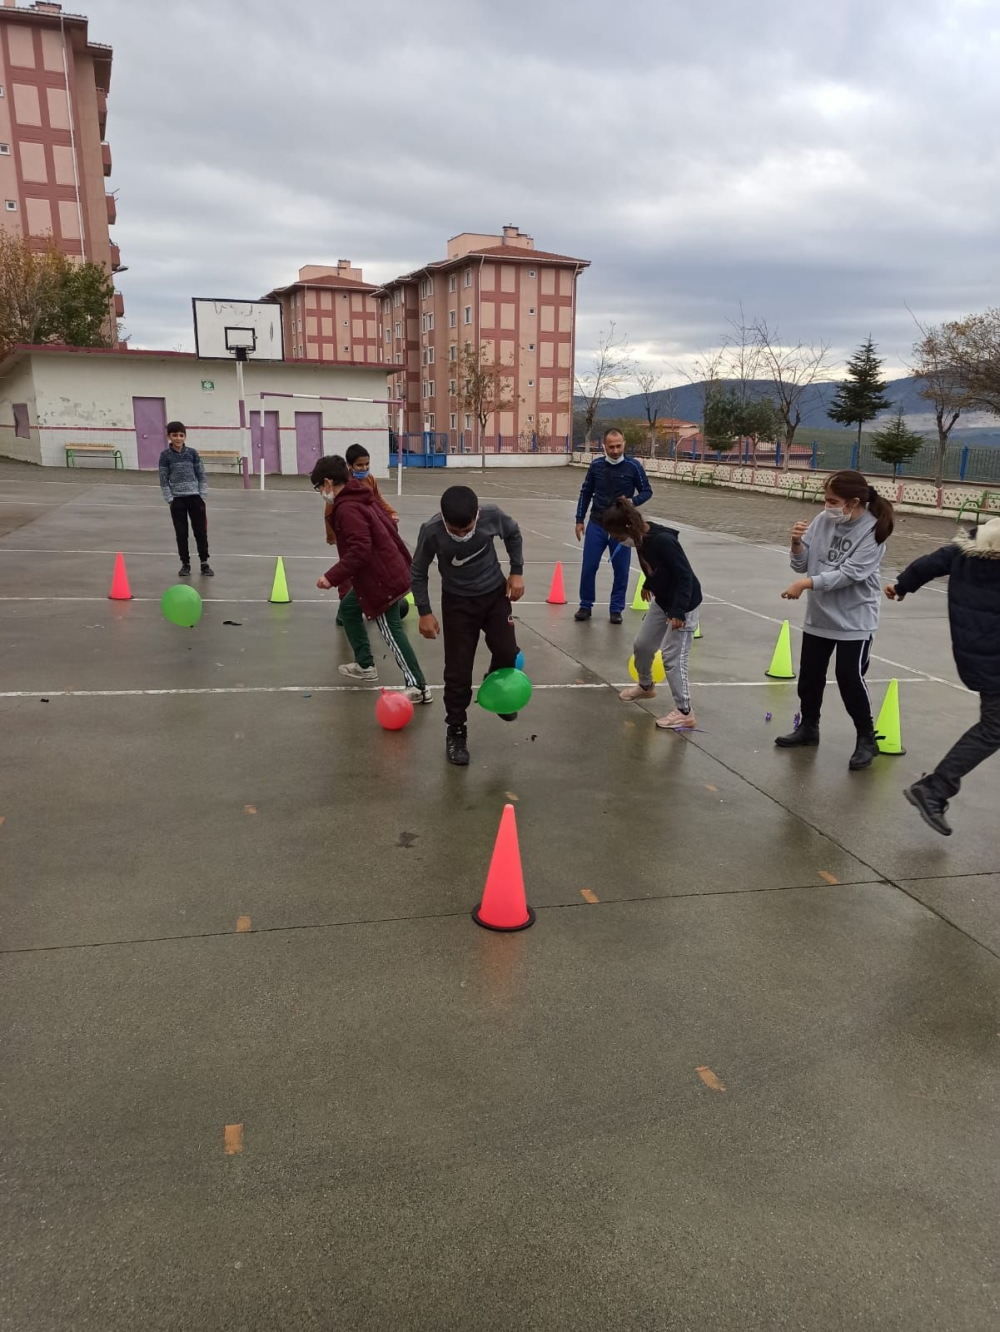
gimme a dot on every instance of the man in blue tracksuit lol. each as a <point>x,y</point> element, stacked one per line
<point>610,476</point>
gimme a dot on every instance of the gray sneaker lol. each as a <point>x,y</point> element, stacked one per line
<point>419,695</point>
<point>355,672</point>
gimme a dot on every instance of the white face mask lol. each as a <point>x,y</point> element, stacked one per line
<point>615,461</point>
<point>839,513</point>
<point>466,536</point>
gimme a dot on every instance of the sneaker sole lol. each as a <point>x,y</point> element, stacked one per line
<point>907,795</point>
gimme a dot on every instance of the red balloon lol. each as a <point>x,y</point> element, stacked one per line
<point>393,710</point>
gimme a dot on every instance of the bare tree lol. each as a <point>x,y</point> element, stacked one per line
<point>486,388</point>
<point>610,368</point>
<point>651,391</point>
<point>793,372</point>
<point>941,383</point>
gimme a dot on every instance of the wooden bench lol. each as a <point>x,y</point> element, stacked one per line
<point>221,456</point>
<point>74,451</point>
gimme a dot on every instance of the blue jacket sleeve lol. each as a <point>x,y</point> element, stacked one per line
<point>586,492</point>
<point>645,491</point>
<point>928,567</point>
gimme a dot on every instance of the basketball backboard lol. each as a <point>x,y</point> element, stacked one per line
<point>222,329</point>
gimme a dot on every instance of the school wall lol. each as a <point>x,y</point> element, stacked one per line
<point>473,462</point>
<point>80,398</point>
<point>19,387</point>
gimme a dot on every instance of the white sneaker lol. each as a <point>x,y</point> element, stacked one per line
<point>634,692</point>
<point>419,695</point>
<point>678,721</point>
<point>355,672</point>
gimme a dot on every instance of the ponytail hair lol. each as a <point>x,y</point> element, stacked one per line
<point>853,486</point>
<point>622,519</point>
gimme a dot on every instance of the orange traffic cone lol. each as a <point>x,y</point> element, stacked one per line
<point>119,581</point>
<point>504,906</point>
<point>557,594</point>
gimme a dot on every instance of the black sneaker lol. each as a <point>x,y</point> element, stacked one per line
<point>207,571</point>
<point>616,617</point>
<point>583,613</point>
<point>455,746</point>
<point>184,571</point>
<point>507,716</point>
<point>929,806</point>
<point>866,751</point>
<point>804,734</point>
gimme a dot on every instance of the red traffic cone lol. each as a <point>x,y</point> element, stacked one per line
<point>119,581</point>
<point>557,595</point>
<point>504,906</point>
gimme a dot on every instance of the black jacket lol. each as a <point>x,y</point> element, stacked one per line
<point>972,564</point>
<point>669,575</point>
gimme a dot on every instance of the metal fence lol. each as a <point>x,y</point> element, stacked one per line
<point>430,448</point>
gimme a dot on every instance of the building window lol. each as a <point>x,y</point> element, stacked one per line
<point>531,346</point>
<point>385,307</point>
<point>453,421</point>
<point>468,420</point>
<point>430,420</point>
<point>388,334</point>
<point>452,352</point>
<point>531,272</point>
<point>531,310</point>
<point>452,318</point>
<point>346,350</point>
<point>11,205</point>
<point>451,387</point>
<point>399,358</point>
<point>4,150</point>
<point>22,427</point>
<point>531,383</point>
<point>427,288</point>
<point>530,419</point>
<point>399,330</point>
<point>430,389</point>
<point>452,283</point>
<point>468,277</point>
<point>430,323</point>
<point>430,355</point>
<point>467,315</point>
<point>1,89</point>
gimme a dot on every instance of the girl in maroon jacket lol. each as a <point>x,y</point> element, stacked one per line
<point>373,560</point>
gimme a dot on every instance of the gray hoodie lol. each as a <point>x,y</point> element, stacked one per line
<point>843,560</point>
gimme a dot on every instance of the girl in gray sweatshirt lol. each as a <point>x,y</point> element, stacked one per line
<point>840,553</point>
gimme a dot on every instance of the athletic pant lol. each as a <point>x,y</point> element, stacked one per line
<point>353,621</point>
<point>183,507</point>
<point>853,657</point>
<point>978,743</point>
<point>595,542</point>
<point>656,635</point>
<point>391,629</point>
<point>463,619</point>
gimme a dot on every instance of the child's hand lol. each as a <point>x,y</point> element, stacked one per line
<point>675,623</point>
<point>323,583</point>
<point>646,593</point>
<point>795,591</point>
<point>515,587</point>
<point>798,532</point>
<point>428,626</point>
<point>892,594</point>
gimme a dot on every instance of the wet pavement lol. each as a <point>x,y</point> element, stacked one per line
<point>259,1068</point>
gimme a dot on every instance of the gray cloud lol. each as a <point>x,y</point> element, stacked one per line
<point>825,165</point>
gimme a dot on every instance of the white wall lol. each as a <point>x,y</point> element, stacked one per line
<point>72,391</point>
<point>18,386</point>
<point>473,463</point>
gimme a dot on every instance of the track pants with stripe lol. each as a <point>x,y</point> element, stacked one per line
<point>853,658</point>
<point>391,629</point>
<point>656,635</point>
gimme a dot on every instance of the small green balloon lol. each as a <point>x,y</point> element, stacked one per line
<point>181,605</point>
<point>506,690</point>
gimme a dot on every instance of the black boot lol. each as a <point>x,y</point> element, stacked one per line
<point>929,805</point>
<point>583,613</point>
<point>456,747</point>
<point>865,751</point>
<point>804,734</point>
<point>185,570</point>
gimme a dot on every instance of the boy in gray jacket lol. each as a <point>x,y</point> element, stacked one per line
<point>841,553</point>
<point>184,486</point>
<point>475,597</point>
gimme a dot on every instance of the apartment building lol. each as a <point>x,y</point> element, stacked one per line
<point>329,314</point>
<point>517,303</point>
<point>54,159</point>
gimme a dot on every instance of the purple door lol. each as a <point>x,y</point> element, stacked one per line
<point>150,415</point>
<point>308,440</point>
<point>266,442</point>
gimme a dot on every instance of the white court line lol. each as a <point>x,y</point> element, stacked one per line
<point>354,689</point>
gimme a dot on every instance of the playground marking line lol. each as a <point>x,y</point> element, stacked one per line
<point>710,1080</point>
<point>233,1139</point>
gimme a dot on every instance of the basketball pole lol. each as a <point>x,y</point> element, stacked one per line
<point>399,450</point>
<point>246,440</point>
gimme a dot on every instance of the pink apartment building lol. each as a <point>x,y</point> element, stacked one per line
<point>54,85</point>
<point>517,303</point>
<point>329,314</point>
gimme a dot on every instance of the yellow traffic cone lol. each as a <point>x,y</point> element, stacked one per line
<point>279,589</point>
<point>781,663</point>
<point>888,728</point>
<point>637,601</point>
<point>697,632</point>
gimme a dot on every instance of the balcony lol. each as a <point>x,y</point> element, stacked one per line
<point>116,258</point>
<point>102,111</point>
<point>119,305</point>
<point>106,157</point>
<point>112,209</point>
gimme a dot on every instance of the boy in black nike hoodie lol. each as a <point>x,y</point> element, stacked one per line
<point>475,597</point>
<point>674,596</point>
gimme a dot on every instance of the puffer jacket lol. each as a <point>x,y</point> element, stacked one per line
<point>372,556</point>
<point>972,566</point>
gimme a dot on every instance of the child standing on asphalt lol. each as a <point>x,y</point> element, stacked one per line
<point>373,561</point>
<point>475,598</point>
<point>674,596</point>
<point>972,566</point>
<point>841,553</point>
<point>184,486</point>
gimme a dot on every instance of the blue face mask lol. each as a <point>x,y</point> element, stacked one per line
<point>360,476</point>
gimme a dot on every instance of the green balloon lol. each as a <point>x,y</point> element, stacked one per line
<point>181,605</point>
<point>506,690</point>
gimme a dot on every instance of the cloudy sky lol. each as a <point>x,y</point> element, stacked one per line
<point>823,162</point>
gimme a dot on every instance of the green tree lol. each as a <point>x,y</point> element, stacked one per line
<point>896,443</point>
<point>730,418</point>
<point>45,297</point>
<point>83,299</point>
<point>861,396</point>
